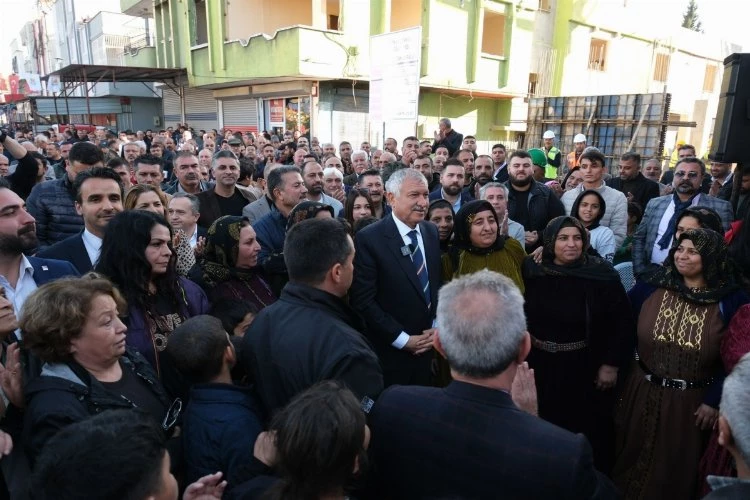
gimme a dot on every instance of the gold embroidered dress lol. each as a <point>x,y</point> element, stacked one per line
<point>679,334</point>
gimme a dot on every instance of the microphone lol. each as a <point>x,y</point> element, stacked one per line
<point>406,250</point>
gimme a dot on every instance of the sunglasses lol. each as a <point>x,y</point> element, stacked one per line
<point>170,419</point>
<point>690,175</point>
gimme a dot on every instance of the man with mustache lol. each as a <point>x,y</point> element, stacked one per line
<point>396,279</point>
<point>372,181</point>
<point>187,172</point>
<point>99,195</point>
<point>655,233</point>
<point>312,174</point>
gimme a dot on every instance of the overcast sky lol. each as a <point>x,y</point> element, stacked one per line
<point>724,18</point>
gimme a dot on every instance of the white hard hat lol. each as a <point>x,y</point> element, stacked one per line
<point>548,135</point>
<point>579,138</point>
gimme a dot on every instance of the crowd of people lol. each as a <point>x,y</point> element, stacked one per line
<point>219,314</point>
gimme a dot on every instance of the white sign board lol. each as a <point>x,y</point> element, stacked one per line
<point>395,65</point>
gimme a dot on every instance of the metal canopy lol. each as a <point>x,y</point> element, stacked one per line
<point>79,73</point>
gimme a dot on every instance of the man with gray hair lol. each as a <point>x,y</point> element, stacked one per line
<point>497,194</point>
<point>396,279</point>
<point>734,433</point>
<point>447,137</point>
<point>333,183</point>
<point>476,437</point>
<point>359,164</point>
<point>184,211</point>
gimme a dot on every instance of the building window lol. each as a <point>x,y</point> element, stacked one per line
<point>709,78</point>
<point>545,5</point>
<point>598,54</point>
<point>533,80</point>
<point>493,34</point>
<point>661,67</point>
<point>333,12</point>
<point>201,23</point>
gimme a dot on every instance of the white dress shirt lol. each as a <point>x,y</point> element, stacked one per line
<point>404,231</point>
<point>24,287</point>
<point>659,255</point>
<point>93,245</point>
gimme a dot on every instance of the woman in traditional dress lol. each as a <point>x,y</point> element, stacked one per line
<point>478,245</point>
<point>670,399</point>
<point>582,332</point>
<point>229,263</point>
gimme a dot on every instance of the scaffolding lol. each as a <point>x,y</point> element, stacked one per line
<point>615,124</point>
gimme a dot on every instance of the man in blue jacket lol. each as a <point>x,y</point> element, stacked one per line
<point>52,203</point>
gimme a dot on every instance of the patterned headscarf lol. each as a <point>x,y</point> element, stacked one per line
<point>587,266</point>
<point>306,210</point>
<point>222,248</point>
<point>708,218</point>
<point>462,228</point>
<point>718,269</point>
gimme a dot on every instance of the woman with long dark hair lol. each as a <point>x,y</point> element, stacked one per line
<point>138,257</point>
<point>358,205</point>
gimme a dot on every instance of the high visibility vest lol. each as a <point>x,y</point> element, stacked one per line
<point>572,161</point>
<point>550,172</point>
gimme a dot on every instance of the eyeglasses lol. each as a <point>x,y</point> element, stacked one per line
<point>682,173</point>
<point>172,414</point>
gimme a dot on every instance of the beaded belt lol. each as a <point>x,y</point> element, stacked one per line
<point>672,383</point>
<point>546,345</point>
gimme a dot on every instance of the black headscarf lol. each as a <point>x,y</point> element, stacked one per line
<point>307,210</point>
<point>708,218</point>
<point>587,266</point>
<point>602,207</point>
<point>222,248</point>
<point>462,228</point>
<point>718,269</point>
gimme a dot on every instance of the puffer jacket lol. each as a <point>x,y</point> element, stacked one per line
<point>66,393</point>
<point>52,204</point>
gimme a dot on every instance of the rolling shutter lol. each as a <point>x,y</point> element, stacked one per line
<point>240,114</point>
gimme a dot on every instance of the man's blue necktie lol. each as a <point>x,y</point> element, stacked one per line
<point>420,266</point>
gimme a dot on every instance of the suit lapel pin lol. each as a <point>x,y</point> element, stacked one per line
<point>45,268</point>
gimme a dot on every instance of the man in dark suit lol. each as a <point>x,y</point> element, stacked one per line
<point>21,275</point>
<point>396,279</point>
<point>99,195</point>
<point>473,439</point>
<point>447,137</point>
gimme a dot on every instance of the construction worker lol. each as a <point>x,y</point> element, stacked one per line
<point>552,153</point>
<point>675,157</point>
<point>573,159</point>
<point>540,165</point>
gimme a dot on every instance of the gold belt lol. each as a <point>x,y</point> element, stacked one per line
<point>546,345</point>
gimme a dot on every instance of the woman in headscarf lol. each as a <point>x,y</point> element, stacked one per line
<point>672,392</point>
<point>589,208</point>
<point>229,262</point>
<point>478,245</point>
<point>274,266</point>
<point>581,331</point>
<point>308,210</point>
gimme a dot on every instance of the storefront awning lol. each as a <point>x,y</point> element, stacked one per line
<point>80,73</point>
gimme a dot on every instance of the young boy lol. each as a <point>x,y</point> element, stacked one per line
<point>221,423</point>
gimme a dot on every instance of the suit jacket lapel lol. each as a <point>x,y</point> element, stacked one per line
<point>394,244</point>
<point>80,256</point>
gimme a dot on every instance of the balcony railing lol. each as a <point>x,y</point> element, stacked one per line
<point>137,42</point>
